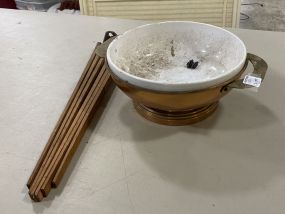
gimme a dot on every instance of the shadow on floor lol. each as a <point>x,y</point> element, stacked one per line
<point>227,153</point>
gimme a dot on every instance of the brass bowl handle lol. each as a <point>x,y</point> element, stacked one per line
<point>260,68</point>
<point>101,50</point>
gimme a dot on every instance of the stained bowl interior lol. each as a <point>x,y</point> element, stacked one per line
<point>155,56</point>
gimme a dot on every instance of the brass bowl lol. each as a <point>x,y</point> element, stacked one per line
<point>181,107</point>
<point>187,107</point>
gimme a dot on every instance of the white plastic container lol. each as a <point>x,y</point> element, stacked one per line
<point>54,9</point>
<point>39,5</point>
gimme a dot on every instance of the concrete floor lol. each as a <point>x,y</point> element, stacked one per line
<point>269,17</point>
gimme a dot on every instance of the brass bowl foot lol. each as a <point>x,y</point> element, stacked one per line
<point>175,118</point>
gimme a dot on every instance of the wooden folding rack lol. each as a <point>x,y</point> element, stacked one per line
<point>71,126</point>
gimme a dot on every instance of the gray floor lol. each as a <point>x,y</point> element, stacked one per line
<point>269,17</point>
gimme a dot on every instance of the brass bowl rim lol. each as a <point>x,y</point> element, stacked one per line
<point>157,85</point>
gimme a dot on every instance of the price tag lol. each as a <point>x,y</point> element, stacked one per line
<point>252,80</point>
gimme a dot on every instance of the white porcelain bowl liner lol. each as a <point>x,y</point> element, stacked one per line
<point>154,56</point>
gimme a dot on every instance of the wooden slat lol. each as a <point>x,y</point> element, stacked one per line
<point>60,121</point>
<point>45,183</point>
<point>72,148</point>
<point>77,102</point>
<point>70,128</point>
